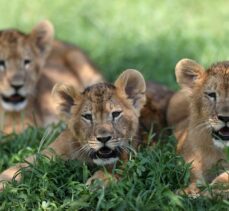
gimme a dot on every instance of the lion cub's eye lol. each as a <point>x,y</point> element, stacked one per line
<point>2,65</point>
<point>211,95</point>
<point>116,114</point>
<point>87,116</point>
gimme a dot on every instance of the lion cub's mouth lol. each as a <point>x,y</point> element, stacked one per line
<point>106,152</point>
<point>15,102</point>
<point>105,156</point>
<point>14,99</point>
<point>222,134</point>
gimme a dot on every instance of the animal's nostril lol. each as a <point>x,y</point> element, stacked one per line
<point>16,87</point>
<point>224,118</point>
<point>104,139</point>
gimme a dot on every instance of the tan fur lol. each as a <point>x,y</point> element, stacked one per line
<point>36,62</point>
<point>153,114</point>
<point>101,113</point>
<point>194,112</point>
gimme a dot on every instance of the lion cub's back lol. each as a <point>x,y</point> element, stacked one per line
<point>178,108</point>
<point>154,112</point>
<point>68,63</point>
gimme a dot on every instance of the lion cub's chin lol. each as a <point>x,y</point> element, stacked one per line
<point>8,106</point>
<point>220,143</point>
<point>105,161</point>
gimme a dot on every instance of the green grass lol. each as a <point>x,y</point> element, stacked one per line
<point>147,35</point>
<point>149,181</point>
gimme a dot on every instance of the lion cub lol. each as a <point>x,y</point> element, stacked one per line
<point>102,123</point>
<point>200,113</point>
<point>30,64</point>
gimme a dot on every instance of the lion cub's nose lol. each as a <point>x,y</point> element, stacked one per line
<point>16,87</point>
<point>224,118</point>
<point>103,139</point>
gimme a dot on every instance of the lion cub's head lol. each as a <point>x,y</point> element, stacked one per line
<point>209,94</point>
<point>21,58</point>
<point>104,117</point>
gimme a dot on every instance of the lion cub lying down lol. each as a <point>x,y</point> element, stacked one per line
<point>202,123</point>
<point>30,64</point>
<point>102,123</point>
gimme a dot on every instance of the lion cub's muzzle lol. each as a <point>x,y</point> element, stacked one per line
<point>105,154</point>
<point>14,99</point>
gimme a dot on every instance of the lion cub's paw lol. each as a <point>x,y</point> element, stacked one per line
<point>102,176</point>
<point>191,191</point>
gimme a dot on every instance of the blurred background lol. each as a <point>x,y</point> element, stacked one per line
<point>148,35</point>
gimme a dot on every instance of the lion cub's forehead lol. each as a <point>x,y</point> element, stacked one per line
<point>11,37</point>
<point>12,43</point>
<point>218,76</point>
<point>220,69</point>
<point>100,98</point>
<point>100,93</point>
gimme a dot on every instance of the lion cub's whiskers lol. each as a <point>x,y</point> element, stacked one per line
<point>84,150</point>
<point>88,148</point>
<point>124,144</point>
<point>203,125</point>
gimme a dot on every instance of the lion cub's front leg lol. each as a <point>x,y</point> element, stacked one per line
<point>197,176</point>
<point>192,190</point>
<point>8,174</point>
<point>219,186</point>
<point>103,176</point>
<point>59,147</point>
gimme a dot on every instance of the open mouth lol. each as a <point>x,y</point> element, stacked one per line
<point>105,153</point>
<point>14,99</point>
<point>222,134</point>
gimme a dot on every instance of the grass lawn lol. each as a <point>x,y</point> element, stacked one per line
<point>148,35</point>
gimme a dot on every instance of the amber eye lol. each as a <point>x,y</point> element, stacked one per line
<point>116,114</point>
<point>27,62</point>
<point>2,65</point>
<point>87,117</point>
<point>211,95</point>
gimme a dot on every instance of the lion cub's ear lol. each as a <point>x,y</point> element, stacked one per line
<point>188,73</point>
<point>132,84</point>
<point>42,37</point>
<point>66,97</point>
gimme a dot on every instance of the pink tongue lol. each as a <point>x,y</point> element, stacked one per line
<point>224,131</point>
